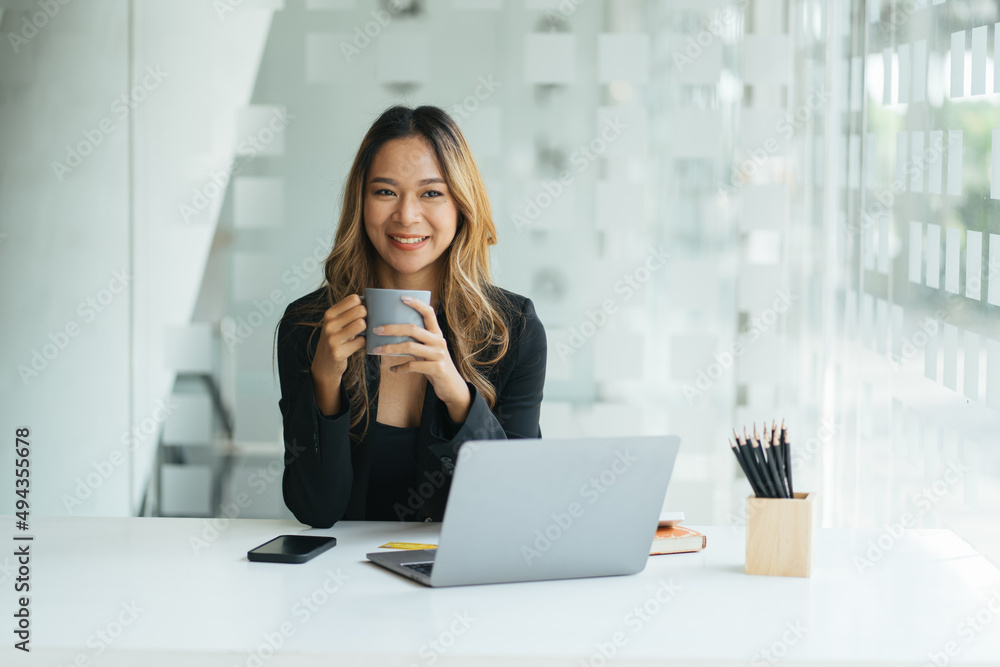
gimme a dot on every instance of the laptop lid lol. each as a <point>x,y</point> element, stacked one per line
<point>529,510</point>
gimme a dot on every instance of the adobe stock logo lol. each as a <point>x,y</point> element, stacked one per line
<point>629,285</point>
<point>581,158</point>
<point>88,309</point>
<point>38,21</point>
<point>724,360</point>
<point>470,103</point>
<point>121,108</point>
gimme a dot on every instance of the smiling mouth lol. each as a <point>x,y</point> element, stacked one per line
<point>408,240</point>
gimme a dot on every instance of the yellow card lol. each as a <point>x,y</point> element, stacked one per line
<point>407,545</point>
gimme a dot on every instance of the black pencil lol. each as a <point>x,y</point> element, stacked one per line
<point>743,456</point>
<point>762,468</point>
<point>779,458</point>
<point>772,466</point>
<point>743,465</point>
<point>739,457</point>
<point>748,455</point>
<point>759,467</point>
<point>786,455</point>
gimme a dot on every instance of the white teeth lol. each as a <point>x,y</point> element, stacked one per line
<point>416,240</point>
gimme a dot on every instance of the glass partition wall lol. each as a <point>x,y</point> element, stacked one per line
<point>726,213</point>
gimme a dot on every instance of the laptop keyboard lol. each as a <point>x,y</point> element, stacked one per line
<point>422,568</point>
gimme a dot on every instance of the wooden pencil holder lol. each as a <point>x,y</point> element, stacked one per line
<point>780,536</point>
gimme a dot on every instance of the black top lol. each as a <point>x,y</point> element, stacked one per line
<point>394,465</point>
<point>327,477</point>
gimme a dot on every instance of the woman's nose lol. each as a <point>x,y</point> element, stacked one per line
<point>409,210</point>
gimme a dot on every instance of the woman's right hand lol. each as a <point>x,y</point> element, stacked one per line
<point>342,334</point>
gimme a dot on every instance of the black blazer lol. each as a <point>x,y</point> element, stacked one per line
<point>326,476</point>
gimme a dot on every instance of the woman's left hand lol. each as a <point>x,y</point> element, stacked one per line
<point>431,358</point>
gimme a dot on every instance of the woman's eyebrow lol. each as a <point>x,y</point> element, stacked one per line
<point>426,181</point>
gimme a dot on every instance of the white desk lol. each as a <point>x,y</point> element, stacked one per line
<point>215,607</point>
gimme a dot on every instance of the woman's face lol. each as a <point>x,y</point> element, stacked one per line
<point>410,215</point>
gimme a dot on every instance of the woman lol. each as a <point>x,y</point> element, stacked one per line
<point>376,437</point>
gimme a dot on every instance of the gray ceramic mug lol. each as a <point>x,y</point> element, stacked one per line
<point>385,306</point>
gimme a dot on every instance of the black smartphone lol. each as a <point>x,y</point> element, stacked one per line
<point>291,549</point>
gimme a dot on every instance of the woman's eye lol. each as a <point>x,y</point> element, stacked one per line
<point>384,192</point>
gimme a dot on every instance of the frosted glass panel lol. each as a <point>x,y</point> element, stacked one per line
<point>188,348</point>
<point>339,5</point>
<point>995,171</point>
<point>327,60</point>
<point>191,421</point>
<point>955,162</point>
<point>916,248</point>
<point>950,349</point>
<point>916,168</point>
<point>993,373</point>
<point>951,261</point>
<point>549,58</point>
<point>903,60</point>
<point>619,205</point>
<point>935,162</point>
<point>933,255</point>
<point>402,59</point>
<point>255,275</point>
<point>993,271</point>
<point>958,64</point>
<point>482,127</point>
<point>979,60</point>
<point>919,70</point>
<point>691,355</point>
<point>623,58</point>
<point>763,207</point>
<point>260,130</point>
<point>622,131</point>
<point>973,264</point>
<point>700,137</point>
<point>258,202</point>
<point>970,367</point>
<point>766,59</point>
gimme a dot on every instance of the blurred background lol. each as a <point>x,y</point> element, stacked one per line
<point>726,212</point>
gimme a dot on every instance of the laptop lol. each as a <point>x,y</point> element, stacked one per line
<point>540,509</point>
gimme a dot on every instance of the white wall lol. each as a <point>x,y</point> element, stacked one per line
<point>68,239</point>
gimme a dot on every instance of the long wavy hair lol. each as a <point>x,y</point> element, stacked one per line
<point>471,304</point>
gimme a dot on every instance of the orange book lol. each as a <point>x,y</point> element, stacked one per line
<point>677,539</point>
